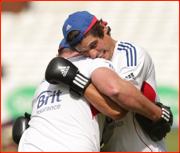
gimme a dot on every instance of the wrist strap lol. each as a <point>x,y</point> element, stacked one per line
<point>165,113</point>
<point>79,84</point>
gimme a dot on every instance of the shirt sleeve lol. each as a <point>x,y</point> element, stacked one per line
<point>99,62</point>
<point>87,65</point>
<point>135,73</point>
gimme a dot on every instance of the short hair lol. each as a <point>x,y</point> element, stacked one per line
<point>96,31</point>
<point>64,50</point>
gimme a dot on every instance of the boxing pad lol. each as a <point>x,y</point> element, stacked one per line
<point>19,126</point>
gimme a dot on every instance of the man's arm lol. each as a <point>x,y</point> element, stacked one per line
<point>124,93</point>
<point>79,85</point>
<point>107,82</point>
<point>103,103</point>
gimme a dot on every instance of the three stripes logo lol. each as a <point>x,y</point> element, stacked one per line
<point>130,53</point>
<point>80,80</point>
<point>165,114</point>
<point>64,70</point>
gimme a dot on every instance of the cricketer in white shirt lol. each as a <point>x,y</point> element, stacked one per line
<point>134,64</point>
<point>62,123</point>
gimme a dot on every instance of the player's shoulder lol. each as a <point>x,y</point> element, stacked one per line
<point>82,60</point>
<point>129,46</point>
<point>132,48</point>
<point>45,85</point>
<point>128,54</point>
<point>79,59</point>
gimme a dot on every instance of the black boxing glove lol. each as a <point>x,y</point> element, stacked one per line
<point>60,70</point>
<point>19,126</point>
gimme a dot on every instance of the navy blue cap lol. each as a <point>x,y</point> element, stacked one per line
<point>81,21</point>
<point>63,44</point>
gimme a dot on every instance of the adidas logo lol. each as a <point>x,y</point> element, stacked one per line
<point>130,76</point>
<point>68,27</point>
<point>64,70</point>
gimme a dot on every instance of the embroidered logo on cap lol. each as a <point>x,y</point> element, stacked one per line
<point>68,27</point>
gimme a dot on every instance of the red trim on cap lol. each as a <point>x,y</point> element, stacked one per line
<point>91,25</point>
<point>105,23</point>
<point>60,48</point>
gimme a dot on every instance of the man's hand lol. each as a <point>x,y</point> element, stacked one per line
<point>157,130</point>
<point>60,70</point>
<point>19,126</point>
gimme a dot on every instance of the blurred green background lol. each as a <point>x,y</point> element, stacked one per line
<point>172,140</point>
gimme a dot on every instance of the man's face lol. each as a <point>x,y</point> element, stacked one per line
<point>95,47</point>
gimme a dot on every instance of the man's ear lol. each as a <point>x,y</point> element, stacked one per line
<point>104,27</point>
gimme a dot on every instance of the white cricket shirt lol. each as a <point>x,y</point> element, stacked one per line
<point>60,122</point>
<point>133,64</point>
